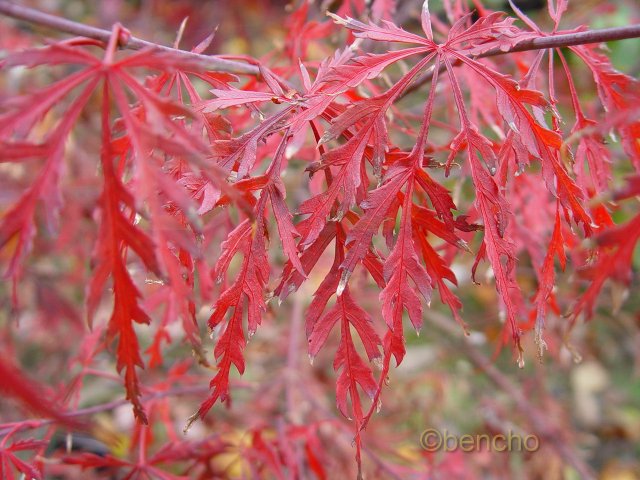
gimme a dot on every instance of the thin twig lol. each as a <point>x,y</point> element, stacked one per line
<point>64,25</point>
<point>60,24</point>
<point>541,43</point>
<point>297,326</point>
<point>112,405</point>
<point>538,420</point>
<point>572,39</point>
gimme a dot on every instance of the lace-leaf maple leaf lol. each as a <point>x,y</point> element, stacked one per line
<point>249,240</point>
<point>10,459</point>
<point>118,204</point>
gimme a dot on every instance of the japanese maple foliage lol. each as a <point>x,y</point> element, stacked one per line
<point>229,186</point>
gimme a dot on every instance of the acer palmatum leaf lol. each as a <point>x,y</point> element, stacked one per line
<point>14,384</point>
<point>354,374</point>
<point>117,204</point>
<point>619,94</point>
<point>248,238</point>
<point>10,459</point>
<point>386,32</point>
<point>190,157</point>
<point>615,250</point>
<point>494,211</point>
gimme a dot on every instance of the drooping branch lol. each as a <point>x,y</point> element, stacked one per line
<point>549,41</point>
<point>571,39</point>
<point>60,24</point>
<point>112,405</point>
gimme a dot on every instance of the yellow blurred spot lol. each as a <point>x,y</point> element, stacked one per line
<point>620,471</point>
<point>105,431</point>
<point>234,463</point>
<point>235,46</point>
<point>410,453</point>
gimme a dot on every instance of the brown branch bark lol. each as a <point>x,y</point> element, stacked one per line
<point>541,43</point>
<point>34,16</point>
<point>60,24</point>
<point>571,39</point>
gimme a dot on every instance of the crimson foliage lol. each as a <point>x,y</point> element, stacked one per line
<point>503,158</point>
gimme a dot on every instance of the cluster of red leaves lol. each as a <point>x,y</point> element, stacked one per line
<point>189,154</point>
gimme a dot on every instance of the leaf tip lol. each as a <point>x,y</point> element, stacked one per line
<point>377,362</point>
<point>336,18</point>
<point>190,421</point>
<point>344,279</point>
